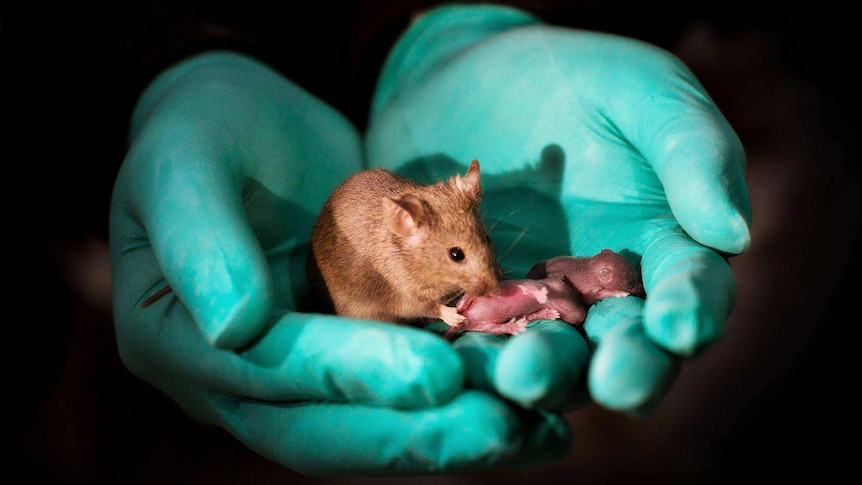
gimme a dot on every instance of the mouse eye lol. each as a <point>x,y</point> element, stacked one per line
<point>456,254</point>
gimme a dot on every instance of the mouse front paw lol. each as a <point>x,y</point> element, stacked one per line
<point>451,316</point>
<point>515,326</point>
<point>610,293</point>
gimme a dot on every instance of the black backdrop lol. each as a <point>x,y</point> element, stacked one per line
<point>770,400</point>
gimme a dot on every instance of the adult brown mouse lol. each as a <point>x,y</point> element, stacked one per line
<point>385,247</point>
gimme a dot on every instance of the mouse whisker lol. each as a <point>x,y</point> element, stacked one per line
<point>508,273</point>
<point>515,242</point>
<point>453,296</point>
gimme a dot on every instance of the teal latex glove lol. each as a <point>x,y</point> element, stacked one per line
<point>586,141</point>
<point>228,166</point>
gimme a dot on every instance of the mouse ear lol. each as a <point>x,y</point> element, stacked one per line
<point>469,183</point>
<point>403,215</point>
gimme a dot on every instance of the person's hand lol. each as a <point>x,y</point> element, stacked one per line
<point>228,166</point>
<point>587,141</point>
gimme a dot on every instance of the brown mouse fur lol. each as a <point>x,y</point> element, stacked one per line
<point>385,247</point>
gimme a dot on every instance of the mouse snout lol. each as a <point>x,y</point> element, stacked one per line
<point>484,286</point>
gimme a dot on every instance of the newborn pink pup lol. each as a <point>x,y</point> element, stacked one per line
<point>559,288</point>
<point>519,303</point>
<point>607,274</point>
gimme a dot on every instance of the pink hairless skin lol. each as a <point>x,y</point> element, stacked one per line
<point>560,288</point>
<point>519,303</point>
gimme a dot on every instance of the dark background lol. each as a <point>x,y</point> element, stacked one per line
<point>773,399</point>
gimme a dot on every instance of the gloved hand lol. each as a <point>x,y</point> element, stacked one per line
<point>229,164</point>
<point>586,141</point>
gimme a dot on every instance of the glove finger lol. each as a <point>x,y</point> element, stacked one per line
<point>434,39</point>
<point>690,293</point>
<point>472,432</point>
<point>299,357</point>
<point>221,146</point>
<point>628,371</point>
<point>479,351</point>
<point>195,221</point>
<point>309,356</point>
<point>695,153</point>
<point>538,369</point>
